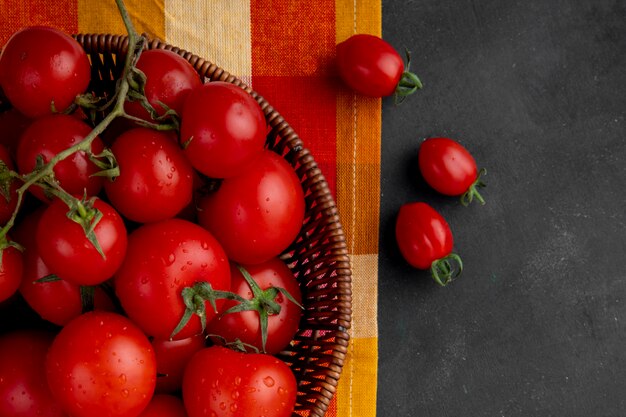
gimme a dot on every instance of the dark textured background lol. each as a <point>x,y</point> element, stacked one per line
<point>536,326</point>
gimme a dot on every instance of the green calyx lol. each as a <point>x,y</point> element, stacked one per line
<point>472,192</point>
<point>262,301</point>
<point>443,270</point>
<point>86,215</point>
<point>195,299</point>
<point>409,82</point>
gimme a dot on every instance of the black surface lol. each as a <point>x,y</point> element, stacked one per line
<point>536,326</point>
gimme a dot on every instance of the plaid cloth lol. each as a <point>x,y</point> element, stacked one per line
<point>285,50</point>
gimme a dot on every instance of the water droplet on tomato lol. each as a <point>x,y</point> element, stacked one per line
<point>223,406</point>
<point>125,393</point>
<point>171,259</point>
<point>268,381</point>
<point>233,408</point>
<point>122,378</point>
<point>204,245</point>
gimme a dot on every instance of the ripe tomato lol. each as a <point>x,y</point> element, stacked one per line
<point>219,381</point>
<point>66,250</point>
<point>223,129</point>
<point>24,391</point>
<point>172,357</point>
<point>425,241</point>
<point>281,326</point>
<point>56,301</point>
<point>11,269</point>
<point>370,66</point>
<point>169,79</point>
<point>41,67</point>
<point>7,203</point>
<point>162,260</point>
<point>258,213</point>
<point>164,406</point>
<point>101,365</point>
<point>450,169</point>
<point>155,181</point>
<point>50,135</point>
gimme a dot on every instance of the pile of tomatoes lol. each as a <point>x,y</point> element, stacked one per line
<point>140,237</point>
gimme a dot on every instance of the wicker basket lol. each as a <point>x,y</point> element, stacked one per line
<point>318,257</point>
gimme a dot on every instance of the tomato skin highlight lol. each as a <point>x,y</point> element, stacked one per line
<point>51,135</point>
<point>447,166</point>
<point>41,65</point>
<point>155,181</point>
<point>258,213</point>
<point>101,364</point>
<point>369,65</point>
<point>24,391</point>
<point>222,129</point>
<point>162,259</point>
<point>422,234</point>
<point>234,384</point>
<point>68,253</point>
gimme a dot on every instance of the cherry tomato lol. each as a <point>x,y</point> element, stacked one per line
<point>56,301</point>
<point>425,241</point>
<point>42,68</point>
<point>155,181</point>
<point>164,406</point>
<point>172,357</point>
<point>67,251</point>
<point>50,135</point>
<point>24,390</point>
<point>11,269</point>
<point>265,300</point>
<point>169,79</point>
<point>164,258</point>
<point>370,66</point>
<point>101,365</point>
<point>258,213</point>
<point>232,384</point>
<point>223,129</point>
<point>450,169</point>
<point>7,202</point>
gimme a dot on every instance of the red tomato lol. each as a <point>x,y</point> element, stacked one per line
<point>258,213</point>
<point>370,66</point>
<point>101,365</point>
<point>50,135</point>
<point>41,67</point>
<point>66,250</point>
<point>163,259</point>
<point>155,181</point>
<point>24,391</point>
<point>223,129</point>
<point>169,79</point>
<point>450,169</point>
<point>222,382</point>
<point>11,269</point>
<point>164,406</point>
<point>7,206</point>
<point>425,241</point>
<point>55,301</point>
<point>172,357</point>
<point>246,325</point>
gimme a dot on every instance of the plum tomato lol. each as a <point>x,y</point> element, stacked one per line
<point>222,129</point>
<point>99,365</point>
<point>169,79</point>
<point>258,213</point>
<point>69,253</point>
<point>172,357</point>
<point>170,266</point>
<point>24,391</point>
<point>372,67</point>
<point>53,134</point>
<point>220,381</point>
<point>266,301</point>
<point>43,70</point>
<point>425,241</point>
<point>155,181</point>
<point>450,169</point>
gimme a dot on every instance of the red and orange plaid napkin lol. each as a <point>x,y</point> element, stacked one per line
<point>285,50</point>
